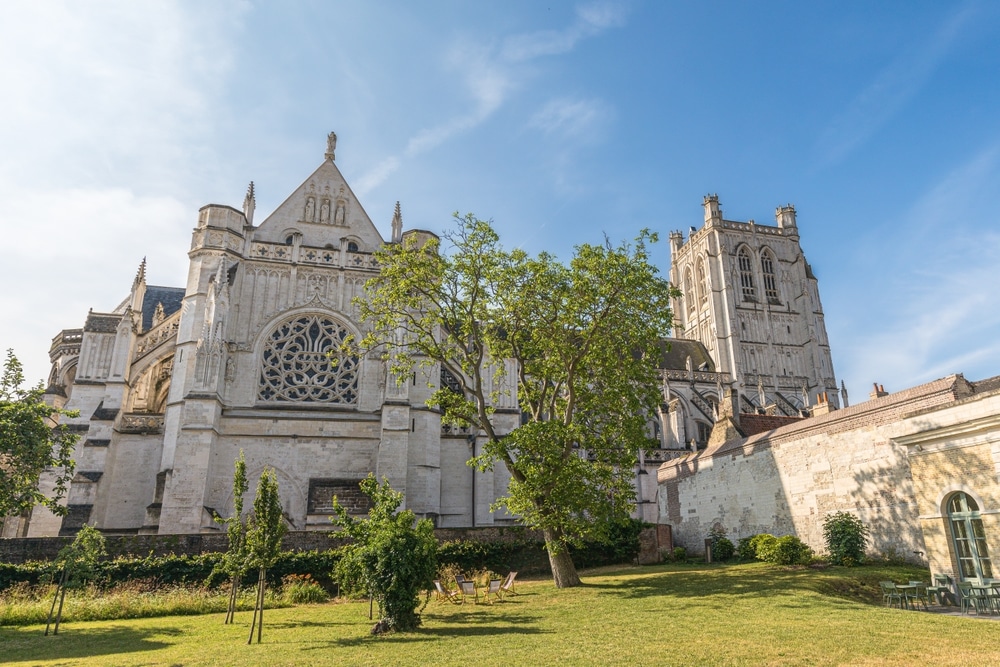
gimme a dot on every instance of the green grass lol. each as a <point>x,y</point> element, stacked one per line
<point>666,615</point>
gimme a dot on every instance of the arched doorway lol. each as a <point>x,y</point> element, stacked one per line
<point>969,538</point>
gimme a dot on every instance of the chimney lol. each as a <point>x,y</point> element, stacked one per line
<point>822,406</point>
<point>878,391</point>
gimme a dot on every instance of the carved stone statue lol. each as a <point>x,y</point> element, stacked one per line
<point>324,211</point>
<point>338,218</point>
<point>310,209</point>
<point>331,146</point>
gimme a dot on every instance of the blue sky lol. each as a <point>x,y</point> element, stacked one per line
<point>560,121</point>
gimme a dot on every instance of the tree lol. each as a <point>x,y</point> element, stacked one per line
<point>235,562</point>
<point>584,342</point>
<point>265,529</point>
<point>31,442</point>
<point>393,554</point>
<point>77,564</point>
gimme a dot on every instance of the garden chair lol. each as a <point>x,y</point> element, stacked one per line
<point>468,588</point>
<point>973,596</point>
<point>918,594</point>
<point>444,595</point>
<point>493,589</point>
<point>507,587</point>
<point>941,588</point>
<point>890,594</point>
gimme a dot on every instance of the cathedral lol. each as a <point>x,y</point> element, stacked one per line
<point>173,383</point>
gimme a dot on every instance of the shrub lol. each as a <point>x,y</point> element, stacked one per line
<point>723,549</point>
<point>763,546</point>
<point>302,589</point>
<point>745,549</point>
<point>790,550</point>
<point>846,538</point>
<point>680,554</point>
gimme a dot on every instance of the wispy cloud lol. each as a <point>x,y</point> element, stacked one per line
<point>576,119</point>
<point>489,74</point>
<point>107,106</point>
<point>937,302</point>
<point>890,91</point>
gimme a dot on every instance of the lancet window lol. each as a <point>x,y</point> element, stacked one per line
<point>295,366</point>
<point>770,283</point>
<point>689,296</point>
<point>702,285</point>
<point>746,275</point>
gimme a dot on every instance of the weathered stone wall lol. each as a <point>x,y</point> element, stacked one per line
<point>785,481</point>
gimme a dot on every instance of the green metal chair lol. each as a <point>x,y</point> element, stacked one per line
<point>973,595</point>
<point>941,589</point>
<point>918,594</point>
<point>890,594</point>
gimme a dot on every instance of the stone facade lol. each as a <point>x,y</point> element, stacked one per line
<point>751,298</point>
<point>174,382</point>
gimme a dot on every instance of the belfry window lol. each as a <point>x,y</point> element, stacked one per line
<point>969,538</point>
<point>702,285</point>
<point>689,295</point>
<point>296,365</point>
<point>770,284</point>
<point>746,275</point>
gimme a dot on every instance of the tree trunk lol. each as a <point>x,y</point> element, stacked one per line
<point>563,571</point>
<point>55,598</point>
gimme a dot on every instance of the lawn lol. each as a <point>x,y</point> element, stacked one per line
<point>666,615</point>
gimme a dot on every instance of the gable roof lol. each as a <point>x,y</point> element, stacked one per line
<point>324,210</point>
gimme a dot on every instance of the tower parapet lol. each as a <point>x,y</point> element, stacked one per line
<point>785,217</point>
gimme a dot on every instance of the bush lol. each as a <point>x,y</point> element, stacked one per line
<point>302,589</point>
<point>745,549</point>
<point>846,538</point>
<point>680,554</point>
<point>790,550</point>
<point>763,546</point>
<point>723,549</point>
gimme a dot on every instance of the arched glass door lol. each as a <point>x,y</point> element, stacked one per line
<point>969,538</point>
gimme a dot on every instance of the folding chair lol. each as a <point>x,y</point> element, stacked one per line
<point>444,595</point>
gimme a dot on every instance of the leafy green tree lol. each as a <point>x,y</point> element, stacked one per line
<point>583,339</point>
<point>846,537</point>
<point>393,556</point>
<point>235,562</point>
<point>31,442</point>
<point>264,532</point>
<point>77,564</point>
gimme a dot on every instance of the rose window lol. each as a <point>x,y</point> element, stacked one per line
<point>296,367</point>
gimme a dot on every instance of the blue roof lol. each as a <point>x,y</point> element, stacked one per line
<point>170,297</point>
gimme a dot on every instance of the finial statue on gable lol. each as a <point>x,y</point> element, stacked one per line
<point>331,146</point>
<point>397,225</point>
<point>249,204</point>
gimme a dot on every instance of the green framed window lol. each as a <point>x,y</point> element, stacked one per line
<point>969,538</point>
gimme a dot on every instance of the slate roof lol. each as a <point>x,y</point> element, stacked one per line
<point>170,297</point>
<point>675,359</point>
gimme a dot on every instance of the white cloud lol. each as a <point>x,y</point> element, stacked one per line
<point>107,105</point>
<point>575,119</point>
<point>489,76</point>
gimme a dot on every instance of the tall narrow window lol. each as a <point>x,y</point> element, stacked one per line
<point>746,275</point>
<point>702,285</point>
<point>770,284</point>
<point>969,538</point>
<point>689,296</point>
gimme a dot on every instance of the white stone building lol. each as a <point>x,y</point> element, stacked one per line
<point>172,383</point>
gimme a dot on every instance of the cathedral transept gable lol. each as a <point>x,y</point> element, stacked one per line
<point>325,212</point>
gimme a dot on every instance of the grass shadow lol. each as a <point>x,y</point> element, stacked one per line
<point>28,644</point>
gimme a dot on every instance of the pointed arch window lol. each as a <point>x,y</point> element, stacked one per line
<point>702,284</point>
<point>770,282</point>
<point>746,275</point>
<point>969,538</point>
<point>689,296</point>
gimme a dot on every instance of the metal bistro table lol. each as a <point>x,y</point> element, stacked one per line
<point>907,591</point>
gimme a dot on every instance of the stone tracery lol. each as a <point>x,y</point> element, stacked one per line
<point>295,366</point>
